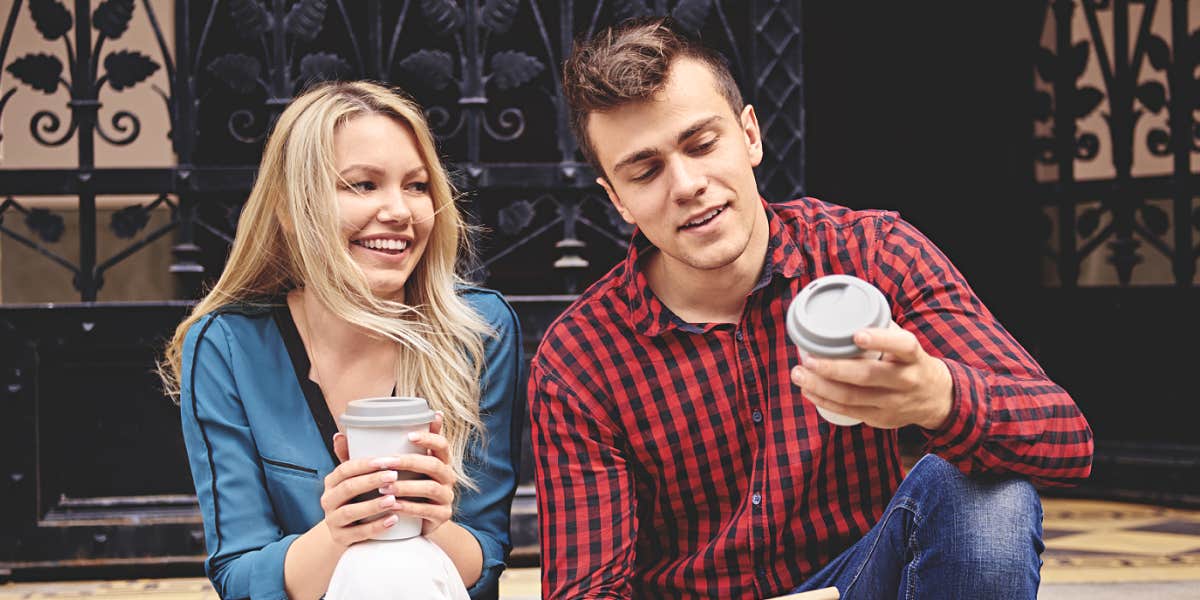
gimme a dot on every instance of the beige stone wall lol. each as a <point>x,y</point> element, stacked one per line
<point>25,275</point>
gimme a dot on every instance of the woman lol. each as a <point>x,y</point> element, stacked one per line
<point>341,284</point>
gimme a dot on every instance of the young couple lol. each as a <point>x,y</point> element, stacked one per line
<point>678,450</point>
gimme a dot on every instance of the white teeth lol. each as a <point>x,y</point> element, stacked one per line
<point>382,244</point>
<point>704,219</point>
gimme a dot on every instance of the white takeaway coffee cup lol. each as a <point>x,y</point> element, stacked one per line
<point>824,316</point>
<point>379,427</point>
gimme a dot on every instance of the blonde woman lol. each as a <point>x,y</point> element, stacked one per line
<point>341,284</point>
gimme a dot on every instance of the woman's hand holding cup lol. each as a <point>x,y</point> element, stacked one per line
<point>434,494</point>
<point>351,480</point>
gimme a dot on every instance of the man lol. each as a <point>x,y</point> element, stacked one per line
<point>678,450</point>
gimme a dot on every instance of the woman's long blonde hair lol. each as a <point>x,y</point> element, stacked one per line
<point>438,335</point>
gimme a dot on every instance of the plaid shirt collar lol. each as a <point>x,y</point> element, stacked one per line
<point>649,316</point>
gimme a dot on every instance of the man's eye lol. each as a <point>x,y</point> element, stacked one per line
<point>705,148</point>
<point>646,175</point>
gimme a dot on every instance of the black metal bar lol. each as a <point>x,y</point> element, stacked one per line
<point>1064,144</point>
<point>85,106</point>
<point>474,97</point>
<point>40,250</point>
<point>134,247</point>
<point>1182,94</point>
<point>1121,123</point>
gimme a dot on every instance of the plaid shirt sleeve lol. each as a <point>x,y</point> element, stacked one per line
<point>1007,416</point>
<point>586,504</point>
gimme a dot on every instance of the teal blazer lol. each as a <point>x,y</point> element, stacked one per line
<point>259,441</point>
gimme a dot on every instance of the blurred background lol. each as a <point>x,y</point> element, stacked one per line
<point>1047,147</point>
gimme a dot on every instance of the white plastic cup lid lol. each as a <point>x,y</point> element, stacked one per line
<point>390,411</point>
<point>823,317</point>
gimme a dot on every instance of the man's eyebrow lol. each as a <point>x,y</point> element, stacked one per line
<point>697,127</point>
<point>645,153</point>
<point>636,157</point>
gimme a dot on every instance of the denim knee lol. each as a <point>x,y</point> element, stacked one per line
<point>982,517</point>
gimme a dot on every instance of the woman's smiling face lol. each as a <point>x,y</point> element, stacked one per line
<point>384,200</point>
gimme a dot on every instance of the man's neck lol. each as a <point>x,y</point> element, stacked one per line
<point>710,295</point>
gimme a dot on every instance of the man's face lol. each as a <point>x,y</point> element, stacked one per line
<point>680,167</point>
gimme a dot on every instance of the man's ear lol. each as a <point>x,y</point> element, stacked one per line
<point>616,200</point>
<point>753,135</point>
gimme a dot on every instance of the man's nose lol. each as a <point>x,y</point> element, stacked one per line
<point>688,180</point>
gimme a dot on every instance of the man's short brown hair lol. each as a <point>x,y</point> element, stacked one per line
<point>627,63</point>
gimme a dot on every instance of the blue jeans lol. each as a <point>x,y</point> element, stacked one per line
<point>945,536</point>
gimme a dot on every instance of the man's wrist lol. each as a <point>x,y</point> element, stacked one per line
<point>943,399</point>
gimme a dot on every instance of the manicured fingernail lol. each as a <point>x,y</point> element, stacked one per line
<point>381,462</point>
<point>812,363</point>
<point>388,522</point>
<point>414,436</point>
<point>385,490</point>
<point>862,338</point>
<point>388,476</point>
<point>387,501</point>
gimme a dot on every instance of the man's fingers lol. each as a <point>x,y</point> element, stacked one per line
<point>900,344</point>
<point>836,391</point>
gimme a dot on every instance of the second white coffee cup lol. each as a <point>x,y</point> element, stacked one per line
<point>824,316</point>
<point>378,427</point>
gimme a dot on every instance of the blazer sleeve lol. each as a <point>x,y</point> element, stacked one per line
<point>495,456</point>
<point>246,546</point>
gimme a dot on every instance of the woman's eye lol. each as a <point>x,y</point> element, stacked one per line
<point>363,186</point>
<point>419,187</point>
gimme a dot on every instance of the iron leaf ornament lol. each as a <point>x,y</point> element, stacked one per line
<point>128,221</point>
<point>45,224</point>
<point>512,69</point>
<point>112,17</point>
<point>323,66</point>
<point>1155,218</point>
<point>624,9</point>
<point>51,17</point>
<point>40,71</point>
<point>305,18</point>
<point>444,15</point>
<point>1088,222</point>
<point>498,15</point>
<point>691,14</point>
<point>238,71</point>
<point>250,18</point>
<point>516,217</point>
<point>127,68</point>
<point>434,68</point>
<point>1153,95</point>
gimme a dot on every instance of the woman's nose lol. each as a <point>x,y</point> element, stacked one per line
<point>394,207</point>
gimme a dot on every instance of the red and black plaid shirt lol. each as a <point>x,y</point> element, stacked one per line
<point>678,460</point>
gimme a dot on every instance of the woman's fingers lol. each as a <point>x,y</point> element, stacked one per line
<point>349,514</point>
<point>422,488</point>
<point>345,491</point>
<point>430,466</point>
<point>437,445</point>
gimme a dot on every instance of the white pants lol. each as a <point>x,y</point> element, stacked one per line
<point>396,569</point>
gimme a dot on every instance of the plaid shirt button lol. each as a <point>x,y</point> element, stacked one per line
<point>756,498</point>
<point>756,416</point>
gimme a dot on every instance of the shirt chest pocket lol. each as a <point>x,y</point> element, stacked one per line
<point>295,492</point>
